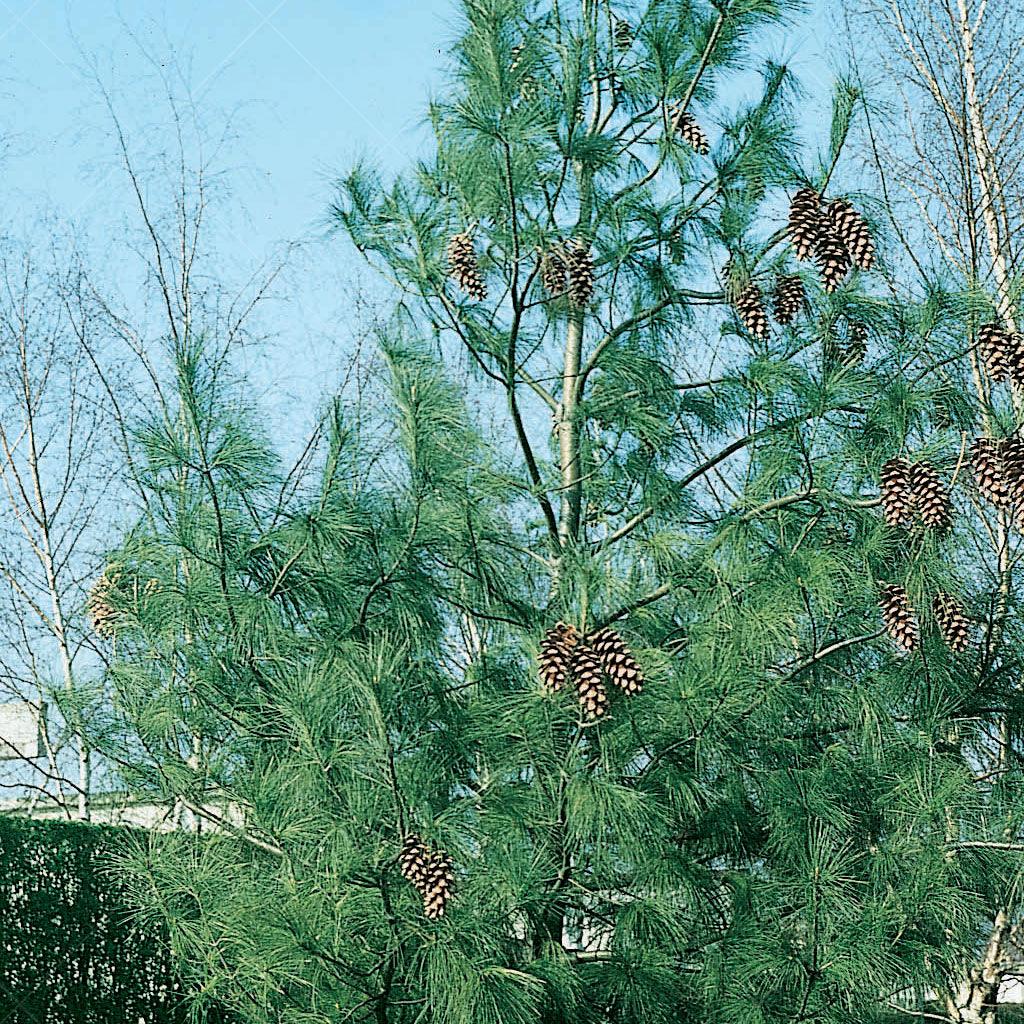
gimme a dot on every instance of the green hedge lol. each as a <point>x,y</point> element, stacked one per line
<point>70,952</point>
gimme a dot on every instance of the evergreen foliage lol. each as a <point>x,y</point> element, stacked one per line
<point>774,828</point>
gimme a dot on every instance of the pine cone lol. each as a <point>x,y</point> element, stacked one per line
<point>931,499</point>
<point>617,660</point>
<point>995,347</point>
<point>805,221</point>
<point>462,266</point>
<point>437,885</point>
<point>897,497</point>
<point>751,311</point>
<point>98,605</point>
<point>989,472</point>
<point>1012,450</point>
<point>899,616</point>
<point>856,344</point>
<point>623,35</point>
<point>852,230</point>
<point>1015,359</point>
<point>580,269</point>
<point>690,131</point>
<point>516,56</point>
<point>553,271</point>
<point>556,655</point>
<point>586,670</point>
<point>833,260</point>
<point>413,861</point>
<point>788,299</point>
<point>953,623</point>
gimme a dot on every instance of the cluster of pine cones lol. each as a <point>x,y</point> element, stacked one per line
<point>568,269</point>
<point>914,491</point>
<point>1002,353</point>
<point>788,298</point>
<point>835,236</point>
<point>998,466</point>
<point>588,661</point>
<point>431,873</point>
<point>901,620</point>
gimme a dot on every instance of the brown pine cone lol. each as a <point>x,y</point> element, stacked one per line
<point>555,655</point>
<point>413,861</point>
<point>852,230</point>
<point>438,885</point>
<point>690,131</point>
<point>833,260</point>
<point>989,472</point>
<point>995,347</point>
<point>580,269</point>
<point>463,267</point>
<point>617,660</point>
<point>897,497</point>
<point>899,616</point>
<point>553,271</point>
<point>788,299</point>
<point>806,221</point>
<point>751,311</point>
<point>931,499</point>
<point>1012,450</point>
<point>589,676</point>
<point>952,621</point>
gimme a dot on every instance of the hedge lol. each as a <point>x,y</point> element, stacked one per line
<point>70,951</point>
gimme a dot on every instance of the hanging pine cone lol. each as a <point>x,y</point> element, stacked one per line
<point>995,347</point>
<point>556,655</point>
<point>590,688</point>
<point>805,221</point>
<point>516,56</point>
<point>413,861</point>
<point>617,660</point>
<point>623,35</point>
<point>437,885</point>
<point>788,299</point>
<point>899,616</point>
<point>832,259</point>
<point>856,344</point>
<point>1015,359</point>
<point>931,499</point>
<point>852,230</point>
<point>897,497</point>
<point>1012,450</point>
<point>989,472</point>
<point>953,623</point>
<point>580,269</point>
<point>553,271</point>
<point>98,606</point>
<point>462,266</point>
<point>690,131</point>
<point>751,311</point>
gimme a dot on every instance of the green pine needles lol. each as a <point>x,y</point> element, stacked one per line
<point>581,426</point>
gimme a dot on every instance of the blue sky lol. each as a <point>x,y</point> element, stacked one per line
<point>310,86</point>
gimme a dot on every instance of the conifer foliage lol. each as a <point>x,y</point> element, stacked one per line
<point>700,811</point>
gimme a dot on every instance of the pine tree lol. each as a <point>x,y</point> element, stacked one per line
<point>344,656</point>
